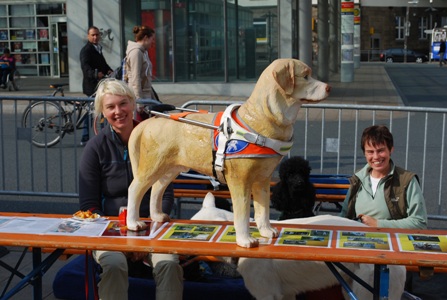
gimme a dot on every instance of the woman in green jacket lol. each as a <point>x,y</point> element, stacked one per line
<point>382,194</point>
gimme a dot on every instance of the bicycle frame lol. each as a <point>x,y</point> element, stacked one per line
<point>79,111</point>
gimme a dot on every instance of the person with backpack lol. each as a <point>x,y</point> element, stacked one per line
<point>138,67</point>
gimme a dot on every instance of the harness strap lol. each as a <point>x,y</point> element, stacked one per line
<point>225,131</point>
<point>234,131</point>
<point>177,116</point>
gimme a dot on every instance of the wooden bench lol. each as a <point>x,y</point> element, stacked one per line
<point>330,189</point>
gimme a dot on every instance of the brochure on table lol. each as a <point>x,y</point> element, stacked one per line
<point>422,243</point>
<point>304,237</point>
<point>191,232</point>
<point>37,225</point>
<point>364,240</point>
<point>102,227</point>
<point>229,235</point>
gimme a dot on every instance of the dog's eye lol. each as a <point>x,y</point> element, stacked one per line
<point>306,77</point>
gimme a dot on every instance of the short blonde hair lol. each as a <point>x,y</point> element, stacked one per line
<point>112,86</point>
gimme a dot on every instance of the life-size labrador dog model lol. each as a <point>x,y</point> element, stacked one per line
<point>280,279</point>
<point>160,148</point>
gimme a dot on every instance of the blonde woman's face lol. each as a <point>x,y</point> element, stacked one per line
<point>118,110</point>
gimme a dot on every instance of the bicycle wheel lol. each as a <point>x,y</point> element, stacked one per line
<point>16,80</point>
<point>46,121</point>
<point>99,123</point>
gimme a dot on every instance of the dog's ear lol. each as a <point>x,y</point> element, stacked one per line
<point>284,75</point>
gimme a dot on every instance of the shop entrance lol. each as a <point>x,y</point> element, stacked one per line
<point>59,47</point>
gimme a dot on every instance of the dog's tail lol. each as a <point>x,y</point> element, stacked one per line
<point>134,147</point>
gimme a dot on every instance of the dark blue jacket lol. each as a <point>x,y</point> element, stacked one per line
<point>105,174</point>
<point>91,60</point>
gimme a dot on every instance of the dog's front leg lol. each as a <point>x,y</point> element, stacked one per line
<point>261,204</point>
<point>136,191</point>
<point>240,196</point>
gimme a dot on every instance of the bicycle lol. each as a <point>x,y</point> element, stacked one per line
<point>13,80</point>
<point>50,121</point>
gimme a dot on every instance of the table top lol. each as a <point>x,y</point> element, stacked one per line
<point>330,254</point>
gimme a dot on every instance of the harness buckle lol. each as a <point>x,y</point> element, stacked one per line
<point>260,140</point>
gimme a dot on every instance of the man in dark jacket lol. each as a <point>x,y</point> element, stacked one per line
<point>94,68</point>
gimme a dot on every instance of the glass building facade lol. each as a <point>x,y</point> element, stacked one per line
<point>209,40</point>
<point>36,35</point>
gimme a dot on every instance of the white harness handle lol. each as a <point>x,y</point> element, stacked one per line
<point>229,129</point>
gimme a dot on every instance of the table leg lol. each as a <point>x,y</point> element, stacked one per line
<point>14,271</point>
<point>37,282</point>
<point>381,282</point>
<point>340,279</point>
<point>34,277</point>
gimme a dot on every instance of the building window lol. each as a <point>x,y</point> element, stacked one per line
<point>443,21</point>
<point>205,47</point>
<point>423,25</point>
<point>400,28</point>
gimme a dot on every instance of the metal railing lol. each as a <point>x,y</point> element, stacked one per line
<point>327,135</point>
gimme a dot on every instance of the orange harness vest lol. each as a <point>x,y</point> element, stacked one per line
<point>238,148</point>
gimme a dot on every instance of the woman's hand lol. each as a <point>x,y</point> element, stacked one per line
<point>367,220</point>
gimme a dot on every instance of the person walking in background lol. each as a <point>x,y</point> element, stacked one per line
<point>441,52</point>
<point>7,65</point>
<point>139,66</point>
<point>105,173</point>
<point>94,68</point>
<point>382,194</point>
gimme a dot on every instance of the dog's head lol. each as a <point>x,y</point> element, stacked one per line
<point>294,195</point>
<point>294,78</point>
<point>295,172</point>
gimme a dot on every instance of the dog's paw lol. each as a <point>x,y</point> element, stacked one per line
<point>160,217</point>
<point>269,232</point>
<point>249,242</point>
<point>136,225</point>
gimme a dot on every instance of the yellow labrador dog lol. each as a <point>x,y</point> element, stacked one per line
<point>161,148</point>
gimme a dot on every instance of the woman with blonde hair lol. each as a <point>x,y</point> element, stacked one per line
<point>139,67</point>
<point>105,174</point>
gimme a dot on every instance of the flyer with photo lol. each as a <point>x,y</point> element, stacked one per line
<point>229,235</point>
<point>364,240</point>
<point>28,225</point>
<point>191,232</point>
<point>78,228</point>
<point>422,243</point>
<point>304,237</point>
<point>117,229</point>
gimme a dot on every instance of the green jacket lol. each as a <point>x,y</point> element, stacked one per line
<point>397,203</point>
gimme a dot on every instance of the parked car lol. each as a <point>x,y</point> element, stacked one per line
<point>397,55</point>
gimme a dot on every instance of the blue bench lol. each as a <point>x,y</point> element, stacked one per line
<point>330,189</point>
<point>69,284</point>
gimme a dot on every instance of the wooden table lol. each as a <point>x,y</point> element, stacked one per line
<point>379,258</point>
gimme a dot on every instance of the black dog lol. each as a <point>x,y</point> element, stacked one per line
<point>294,194</point>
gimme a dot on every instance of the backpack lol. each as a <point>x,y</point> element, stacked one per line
<point>120,72</point>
